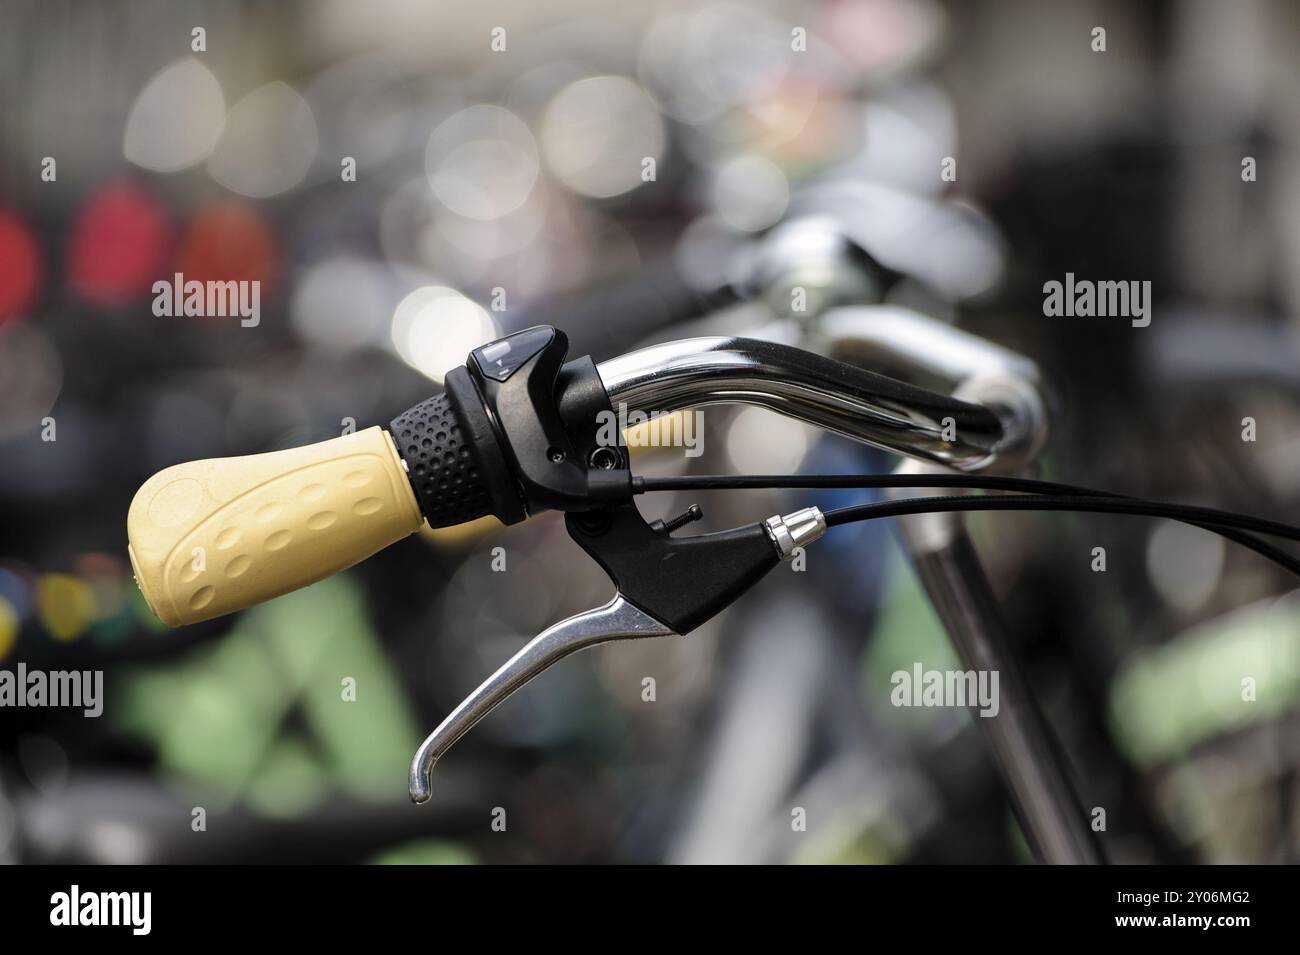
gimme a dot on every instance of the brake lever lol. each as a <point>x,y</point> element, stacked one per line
<point>616,620</point>
<point>664,586</point>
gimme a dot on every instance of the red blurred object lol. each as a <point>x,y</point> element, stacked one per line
<point>118,245</point>
<point>21,267</point>
<point>229,241</point>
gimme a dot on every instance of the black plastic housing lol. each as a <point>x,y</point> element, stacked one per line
<point>680,581</point>
<point>514,433</point>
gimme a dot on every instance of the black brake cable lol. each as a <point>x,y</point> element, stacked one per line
<point>1042,496</point>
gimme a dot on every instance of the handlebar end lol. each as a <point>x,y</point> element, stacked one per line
<point>210,537</point>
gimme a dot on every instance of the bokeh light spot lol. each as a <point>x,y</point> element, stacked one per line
<point>435,327</point>
<point>9,626</point>
<point>118,245</point>
<point>482,162</point>
<point>21,268</point>
<point>341,303</point>
<point>597,132</point>
<point>65,605</point>
<point>177,118</point>
<point>269,143</point>
<point>229,241</point>
<point>750,193</point>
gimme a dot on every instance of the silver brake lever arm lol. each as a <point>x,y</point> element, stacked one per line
<point>616,620</point>
<point>679,581</point>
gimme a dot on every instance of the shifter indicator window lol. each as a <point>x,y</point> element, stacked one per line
<point>501,359</point>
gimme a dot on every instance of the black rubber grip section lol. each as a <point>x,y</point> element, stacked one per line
<point>453,460</point>
<point>447,480</point>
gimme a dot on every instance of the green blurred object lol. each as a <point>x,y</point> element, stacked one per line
<point>907,631</point>
<point>1167,700</point>
<point>426,852</point>
<point>309,659</point>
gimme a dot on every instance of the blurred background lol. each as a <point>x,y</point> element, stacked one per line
<point>640,173</point>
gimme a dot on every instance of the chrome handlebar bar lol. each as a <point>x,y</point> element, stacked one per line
<point>1003,420</point>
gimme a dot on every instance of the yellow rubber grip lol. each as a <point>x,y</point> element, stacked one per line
<point>213,536</point>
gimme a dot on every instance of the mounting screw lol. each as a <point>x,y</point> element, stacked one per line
<point>556,455</point>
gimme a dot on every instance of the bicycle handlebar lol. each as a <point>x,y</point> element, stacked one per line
<point>517,430</point>
<point>847,400</point>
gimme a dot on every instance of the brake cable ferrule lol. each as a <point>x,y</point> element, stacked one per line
<point>795,530</point>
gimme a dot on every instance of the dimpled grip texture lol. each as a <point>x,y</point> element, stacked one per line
<point>445,470</point>
<point>210,537</point>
